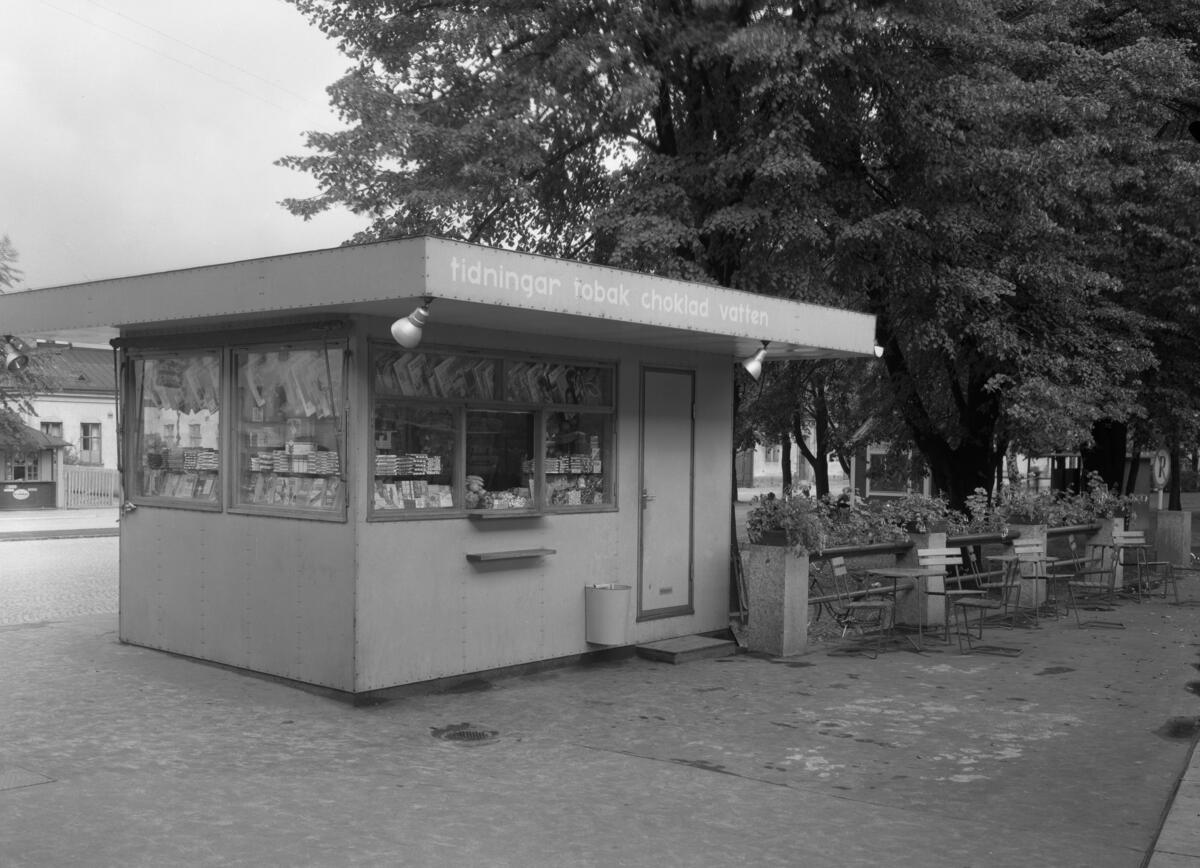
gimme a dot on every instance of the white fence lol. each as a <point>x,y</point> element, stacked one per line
<point>90,486</point>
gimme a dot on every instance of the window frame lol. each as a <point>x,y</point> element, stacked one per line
<point>340,346</point>
<point>463,406</point>
<point>93,456</point>
<point>136,431</point>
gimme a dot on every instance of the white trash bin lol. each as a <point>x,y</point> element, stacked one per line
<point>606,609</point>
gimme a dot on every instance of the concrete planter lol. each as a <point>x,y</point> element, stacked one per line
<point>777,585</point>
<point>920,608</point>
<point>1173,536</point>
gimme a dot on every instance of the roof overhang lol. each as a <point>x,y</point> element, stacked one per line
<point>31,438</point>
<point>472,286</point>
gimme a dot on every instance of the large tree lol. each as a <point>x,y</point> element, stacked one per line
<point>10,275</point>
<point>18,388</point>
<point>960,168</point>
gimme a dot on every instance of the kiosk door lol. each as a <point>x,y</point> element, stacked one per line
<point>665,540</point>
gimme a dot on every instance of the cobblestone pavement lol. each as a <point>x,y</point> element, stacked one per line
<point>49,580</point>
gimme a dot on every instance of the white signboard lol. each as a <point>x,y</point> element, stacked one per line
<point>1160,468</point>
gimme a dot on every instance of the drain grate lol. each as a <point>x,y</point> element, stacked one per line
<point>15,777</point>
<point>465,733</point>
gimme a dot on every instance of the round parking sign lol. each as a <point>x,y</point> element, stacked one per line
<point>1160,468</point>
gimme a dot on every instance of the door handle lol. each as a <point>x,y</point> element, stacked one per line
<point>646,497</point>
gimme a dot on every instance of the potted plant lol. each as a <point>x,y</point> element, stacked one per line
<point>795,522</point>
<point>917,513</point>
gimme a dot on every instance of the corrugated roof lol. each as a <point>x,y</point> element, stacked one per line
<point>80,369</point>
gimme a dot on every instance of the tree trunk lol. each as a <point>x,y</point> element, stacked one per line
<point>1175,487</point>
<point>1135,460</point>
<point>785,465</point>
<point>1106,456</point>
<point>816,460</point>
<point>958,472</point>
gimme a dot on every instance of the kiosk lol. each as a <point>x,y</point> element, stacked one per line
<point>30,469</point>
<point>405,461</point>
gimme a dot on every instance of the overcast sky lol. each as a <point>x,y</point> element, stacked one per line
<point>139,135</point>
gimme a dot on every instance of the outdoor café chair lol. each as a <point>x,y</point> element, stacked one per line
<point>945,580</point>
<point>1032,552</point>
<point>1171,577</point>
<point>1002,599</point>
<point>861,611</point>
<point>1094,578</point>
<point>1132,550</point>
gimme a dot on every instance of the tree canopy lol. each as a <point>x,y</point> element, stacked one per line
<point>982,175</point>
<point>17,388</point>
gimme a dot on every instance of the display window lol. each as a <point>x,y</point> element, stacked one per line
<point>576,462</point>
<point>483,435</point>
<point>500,470</point>
<point>416,455</point>
<point>174,393</point>
<point>289,429</point>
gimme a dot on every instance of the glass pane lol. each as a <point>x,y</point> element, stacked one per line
<point>430,375</point>
<point>289,428</point>
<point>554,383</point>
<point>171,393</point>
<point>578,456</point>
<point>499,460</point>
<point>415,456</point>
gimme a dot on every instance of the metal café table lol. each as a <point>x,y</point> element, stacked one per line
<point>918,575</point>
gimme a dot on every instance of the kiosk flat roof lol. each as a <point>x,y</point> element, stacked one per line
<point>471,285</point>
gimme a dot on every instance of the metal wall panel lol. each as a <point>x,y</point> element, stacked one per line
<point>270,594</point>
<point>424,612</point>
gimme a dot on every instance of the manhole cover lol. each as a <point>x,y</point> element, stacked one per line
<point>465,733</point>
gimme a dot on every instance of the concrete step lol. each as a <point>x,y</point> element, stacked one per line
<point>684,648</point>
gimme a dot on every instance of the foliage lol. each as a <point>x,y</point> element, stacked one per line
<point>982,175</point>
<point>801,400</point>
<point>802,521</point>
<point>1017,504</point>
<point>919,513</point>
<point>861,524</point>
<point>815,524</point>
<point>10,275</point>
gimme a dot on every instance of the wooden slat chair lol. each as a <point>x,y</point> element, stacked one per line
<point>1031,552</point>
<point>854,611</point>
<point>1092,578</point>
<point>1132,550</point>
<point>946,578</point>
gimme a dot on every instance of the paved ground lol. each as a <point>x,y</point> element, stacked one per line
<point>49,580</point>
<point>1067,754</point>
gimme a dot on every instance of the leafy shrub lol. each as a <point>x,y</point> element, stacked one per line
<point>1016,504</point>
<point>798,517</point>
<point>814,525</point>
